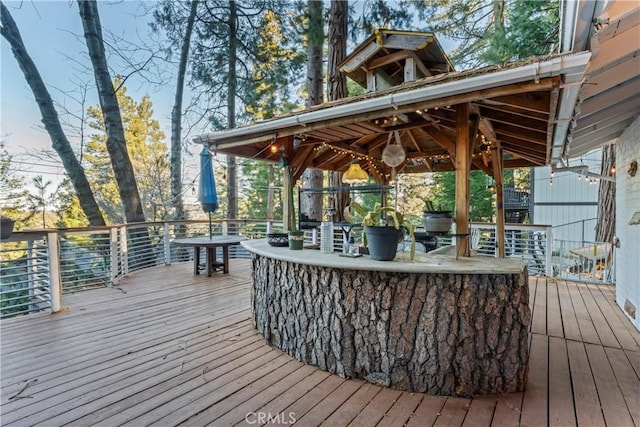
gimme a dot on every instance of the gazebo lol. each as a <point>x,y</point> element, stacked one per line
<point>492,118</point>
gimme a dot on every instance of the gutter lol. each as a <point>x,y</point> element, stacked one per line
<point>572,65</point>
<point>568,23</point>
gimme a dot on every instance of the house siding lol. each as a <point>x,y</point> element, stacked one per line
<point>627,203</point>
<point>570,205</point>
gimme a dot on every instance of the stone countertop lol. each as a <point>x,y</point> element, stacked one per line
<point>423,263</point>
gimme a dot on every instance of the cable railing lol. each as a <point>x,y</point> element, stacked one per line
<point>37,267</point>
<point>29,274</point>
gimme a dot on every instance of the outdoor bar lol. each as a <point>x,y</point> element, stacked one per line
<point>439,324</point>
<point>434,325</point>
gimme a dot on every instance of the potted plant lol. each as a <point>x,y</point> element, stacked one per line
<point>384,227</point>
<point>6,227</point>
<point>436,220</point>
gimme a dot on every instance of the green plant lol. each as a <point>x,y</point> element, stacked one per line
<point>379,213</point>
<point>429,206</point>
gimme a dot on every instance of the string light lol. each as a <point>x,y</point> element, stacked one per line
<point>374,164</point>
<point>613,170</point>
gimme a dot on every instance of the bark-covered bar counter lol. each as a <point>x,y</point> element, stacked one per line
<point>434,325</point>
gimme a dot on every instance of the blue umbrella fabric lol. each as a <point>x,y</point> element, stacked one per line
<point>207,194</point>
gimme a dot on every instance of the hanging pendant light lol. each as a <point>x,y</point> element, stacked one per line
<point>355,174</point>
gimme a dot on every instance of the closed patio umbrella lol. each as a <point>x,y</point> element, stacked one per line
<point>207,192</point>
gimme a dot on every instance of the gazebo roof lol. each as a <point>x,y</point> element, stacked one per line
<point>525,108</point>
<point>385,50</point>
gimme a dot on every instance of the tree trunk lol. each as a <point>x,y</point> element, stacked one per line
<point>116,144</point>
<point>50,120</point>
<point>338,31</point>
<point>337,85</point>
<point>176,121</point>
<point>606,224</point>
<point>311,204</point>
<point>140,253</point>
<point>232,170</point>
<point>436,333</point>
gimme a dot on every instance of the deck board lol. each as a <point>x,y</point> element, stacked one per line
<point>585,394</point>
<point>560,395</point>
<point>165,347</point>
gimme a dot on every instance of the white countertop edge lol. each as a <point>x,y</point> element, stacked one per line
<point>423,263</point>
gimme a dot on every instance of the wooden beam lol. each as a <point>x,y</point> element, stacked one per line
<point>474,124</point>
<point>527,123</point>
<point>520,112</point>
<point>443,140</point>
<point>360,57</point>
<point>496,162</point>
<point>420,64</point>
<point>463,166</point>
<point>533,101</point>
<point>534,137</point>
<point>348,147</point>
<point>536,161</point>
<point>545,84</point>
<point>424,160</point>
<point>388,59</point>
<point>301,161</point>
<point>376,143</point>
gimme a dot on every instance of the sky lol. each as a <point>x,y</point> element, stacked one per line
<point>52,33</point>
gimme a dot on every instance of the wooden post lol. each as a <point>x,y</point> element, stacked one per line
<point>463,166</point>
<point>286,200</point>
<point>409,70</point>
<point>498,173</point>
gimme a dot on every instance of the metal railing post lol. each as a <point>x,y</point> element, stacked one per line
<point>113,252</point>
<point>55,281</point>
<point>167,245</point>
<point>124,250</point>
<point>225,228</point>
<point>549,252</point>
<point>30,275</point>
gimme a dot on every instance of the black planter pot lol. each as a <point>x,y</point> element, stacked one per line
<point>383,242</point>
<point>437,221</point>
<point>6,227</point>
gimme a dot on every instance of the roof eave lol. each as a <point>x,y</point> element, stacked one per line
<point>571,67</point>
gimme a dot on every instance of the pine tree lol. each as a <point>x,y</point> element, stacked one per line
<point>148,153</point>
<point>493,32</point>
<point>115,142</point>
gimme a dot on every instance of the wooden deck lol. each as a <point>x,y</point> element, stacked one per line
<point>165,347</point>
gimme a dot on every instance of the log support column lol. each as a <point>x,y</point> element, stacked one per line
<point>496,160</point>
<point>463,167</point>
